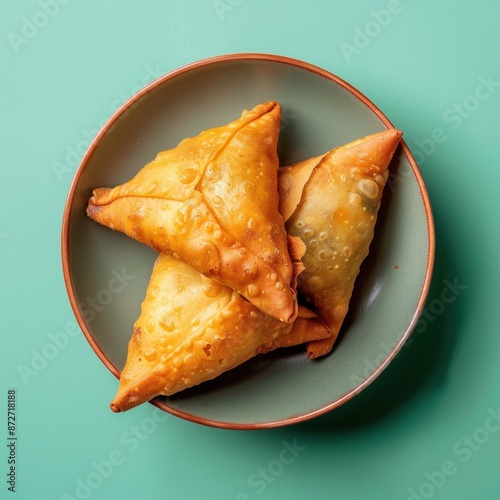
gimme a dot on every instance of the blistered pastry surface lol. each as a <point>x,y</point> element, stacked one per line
<point>336,219</point>
<point>213,202</point>
<point>191,329</point>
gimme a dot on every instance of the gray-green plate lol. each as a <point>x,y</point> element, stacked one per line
<point>106,273</point>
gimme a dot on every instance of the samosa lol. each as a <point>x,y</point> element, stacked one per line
<point>192,329</point>
<point>331,202</point>
<point>212,201</point>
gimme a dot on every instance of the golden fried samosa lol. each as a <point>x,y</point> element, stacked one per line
<point>331,203</point>
<point>213,202</point>
<point>191,329</point>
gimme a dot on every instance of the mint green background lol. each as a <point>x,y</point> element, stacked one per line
<point>57,89</point>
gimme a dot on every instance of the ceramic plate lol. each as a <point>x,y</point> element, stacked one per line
<point>106,273</point>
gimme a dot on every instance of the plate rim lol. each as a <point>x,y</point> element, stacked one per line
<point>214,60</point>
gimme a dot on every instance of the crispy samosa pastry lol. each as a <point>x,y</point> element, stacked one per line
<point>191,329</point>
<point>331,203</point>
<point>213,202</point>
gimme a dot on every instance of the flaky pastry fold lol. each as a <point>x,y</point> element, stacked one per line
<point>191,329</point>
<point>212,201</point>
<point>331,202</point>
